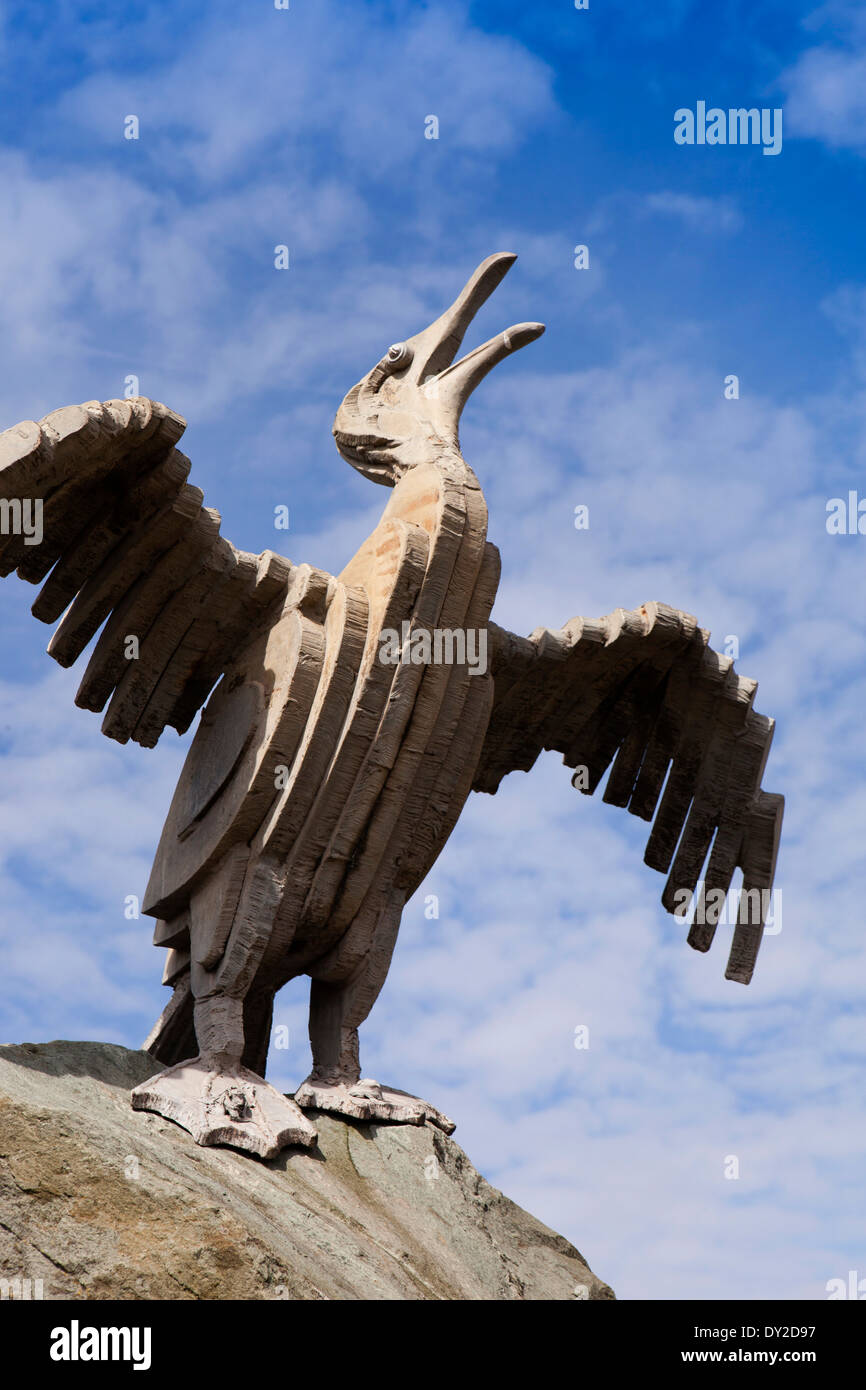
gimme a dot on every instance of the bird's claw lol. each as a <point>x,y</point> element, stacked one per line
<point>232,1107</point>
<point>368,1100</point>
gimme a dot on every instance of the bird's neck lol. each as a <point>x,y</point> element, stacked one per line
<point>448,460</point>
<point>428,494</point>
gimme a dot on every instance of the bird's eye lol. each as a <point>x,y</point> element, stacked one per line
<point>399,355</point>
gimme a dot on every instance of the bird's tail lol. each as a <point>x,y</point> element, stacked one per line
<point>172,1037</point>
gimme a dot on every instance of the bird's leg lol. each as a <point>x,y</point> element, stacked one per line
<point>342,994</point>
<point>335,1082</point>
<point>213,1095</point>
<point>217,1098</point>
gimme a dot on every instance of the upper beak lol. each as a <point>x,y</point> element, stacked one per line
<point>450,382</point>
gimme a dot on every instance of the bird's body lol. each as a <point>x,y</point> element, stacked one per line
<point>334,756</point>
<point>340,774</point>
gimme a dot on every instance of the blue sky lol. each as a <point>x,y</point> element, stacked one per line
<point>155,257</point>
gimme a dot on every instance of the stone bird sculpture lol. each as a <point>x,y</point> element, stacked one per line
<point>327,773</point>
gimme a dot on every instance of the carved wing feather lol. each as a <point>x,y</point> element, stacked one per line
<point>643,691</point>
<point>126,545</point>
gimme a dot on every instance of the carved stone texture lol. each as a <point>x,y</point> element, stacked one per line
<point>327,774</point>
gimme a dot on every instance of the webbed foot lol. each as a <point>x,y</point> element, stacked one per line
<point>229,1105</point>
<point>368,1100</point>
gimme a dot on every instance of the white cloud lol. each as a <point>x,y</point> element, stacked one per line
<point>698,214</point>
<point>149,262</point>
<point>548,917</point>
<point>826,86</point>
<point>218,108</point>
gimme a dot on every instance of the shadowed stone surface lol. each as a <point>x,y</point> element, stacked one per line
<point>99,1201</point>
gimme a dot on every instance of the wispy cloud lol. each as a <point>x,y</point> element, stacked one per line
<point>155,257</point>
<point>700,214</point>
<point>826,86</point>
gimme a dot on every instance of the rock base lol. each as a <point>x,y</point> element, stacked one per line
<point>98,1201</point>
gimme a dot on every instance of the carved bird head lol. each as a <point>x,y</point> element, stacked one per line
<point>410,404</point>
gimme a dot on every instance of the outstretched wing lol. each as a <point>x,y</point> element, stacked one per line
<point>94,501</point>
<point>642,690</point>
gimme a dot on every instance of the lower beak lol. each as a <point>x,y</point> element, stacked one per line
<point>455,384</point>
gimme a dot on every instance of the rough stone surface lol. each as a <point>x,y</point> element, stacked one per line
<point>99,1202</point>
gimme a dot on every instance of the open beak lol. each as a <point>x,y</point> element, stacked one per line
<point>450,382</point>
<point>384,424</point>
